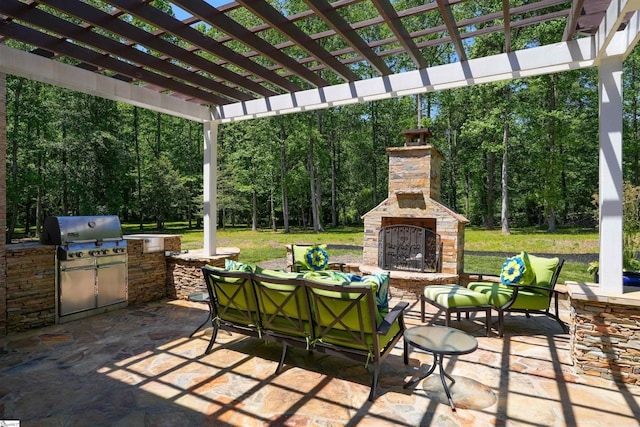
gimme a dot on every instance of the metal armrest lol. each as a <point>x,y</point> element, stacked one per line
<point>485,277</point>
<point>391,317</point>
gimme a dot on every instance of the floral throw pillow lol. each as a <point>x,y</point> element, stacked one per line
<point>517,270</point>
<point>316,258</point>
<point>232,265</point>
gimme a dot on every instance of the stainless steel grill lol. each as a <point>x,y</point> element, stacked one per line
<point>91,261</point>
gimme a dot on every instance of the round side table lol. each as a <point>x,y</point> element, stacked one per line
<point>201,297</point>
<point>441,341</point>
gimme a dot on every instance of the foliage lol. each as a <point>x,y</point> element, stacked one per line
<point>631,226</point>
<point>69,153</point>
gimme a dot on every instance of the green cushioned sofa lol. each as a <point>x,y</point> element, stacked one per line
<point>323,314</point>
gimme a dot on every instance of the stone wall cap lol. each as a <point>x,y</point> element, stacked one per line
<point>199,254</point>
<point>406,275</point>
<point>582,291</point>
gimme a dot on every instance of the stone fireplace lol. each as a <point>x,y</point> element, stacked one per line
<point>414,200</point>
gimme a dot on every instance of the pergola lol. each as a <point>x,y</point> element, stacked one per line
<point>212,68</point>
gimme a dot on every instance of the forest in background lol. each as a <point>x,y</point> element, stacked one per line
<point>516,153</point>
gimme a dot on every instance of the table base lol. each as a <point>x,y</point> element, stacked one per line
<point>437,361</point>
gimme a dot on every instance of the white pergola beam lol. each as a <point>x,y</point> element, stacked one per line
<point>34,67</point>
<point>557,57</point>
<point>612,20</point>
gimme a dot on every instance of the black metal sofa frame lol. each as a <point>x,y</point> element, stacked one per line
<point>339,320</point>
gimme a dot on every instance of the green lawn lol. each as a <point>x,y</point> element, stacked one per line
<point>265,244</point>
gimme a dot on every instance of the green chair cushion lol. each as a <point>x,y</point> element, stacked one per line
<point>452,296</point>
<point>378,282</point>
<point>544,269</point>
<point>280,274</point>
<point>234,298</point>
<point>499,294</point>
<point>345,339</point>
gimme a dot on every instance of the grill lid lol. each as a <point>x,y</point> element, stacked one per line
<point>63,230</point>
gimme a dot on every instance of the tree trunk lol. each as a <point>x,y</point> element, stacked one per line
<point>315,211</point>
<point>374,153</point>
<point>274,226</point>
<point>136,142</point>
<point>12,210</point>
<point>334,178</point>
<point>254,210</point>
<point>39,197</point>
<point>551,172</point>
<point>491,164</point>
<point>283,171</point>
<point>504,213</point>
<point>452,196</point>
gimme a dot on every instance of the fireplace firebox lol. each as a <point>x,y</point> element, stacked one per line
<point>409,248</point>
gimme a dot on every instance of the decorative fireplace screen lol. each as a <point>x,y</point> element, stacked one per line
<point>409,248</point>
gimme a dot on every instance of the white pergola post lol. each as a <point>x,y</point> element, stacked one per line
<point>210,184</point>
<point>610,97</point>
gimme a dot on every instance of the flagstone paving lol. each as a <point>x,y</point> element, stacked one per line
<point>138,367</point>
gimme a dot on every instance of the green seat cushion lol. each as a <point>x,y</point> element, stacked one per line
<point>452,296</point>
<point>346,339</point>
<point>499,294</point>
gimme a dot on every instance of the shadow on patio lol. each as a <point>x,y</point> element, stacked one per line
<point>137,366</point>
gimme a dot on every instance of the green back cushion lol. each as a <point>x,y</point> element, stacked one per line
<point>544,268</point>
<point>234,298</point>
<point>518,270</point>
<point>313,257</point>
<point>283,306</point>
<point>280,274</point>
<point>378,282</point>
<point>354,329</point>
<point>232,265</point>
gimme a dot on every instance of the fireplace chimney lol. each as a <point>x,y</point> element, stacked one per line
<point>414,200</point>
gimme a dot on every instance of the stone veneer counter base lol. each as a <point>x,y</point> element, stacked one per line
<point>184,270</point>
<point>605,331</point>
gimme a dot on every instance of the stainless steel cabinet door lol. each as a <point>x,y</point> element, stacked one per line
<point>112,280</point>
<point>77,286</point>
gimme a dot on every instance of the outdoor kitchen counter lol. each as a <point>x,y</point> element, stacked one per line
<point>199,254</point>
<point>29,287</point>
<point>184,270</point>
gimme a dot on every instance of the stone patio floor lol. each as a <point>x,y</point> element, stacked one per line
<point>138,367</point>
